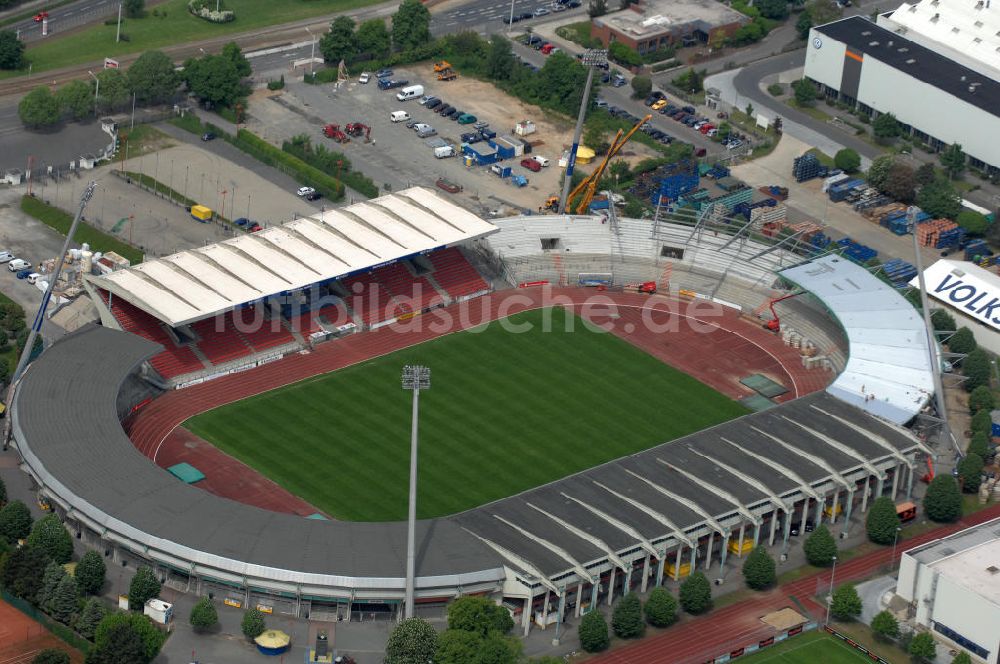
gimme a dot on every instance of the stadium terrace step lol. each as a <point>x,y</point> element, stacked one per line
<point>455,274</point>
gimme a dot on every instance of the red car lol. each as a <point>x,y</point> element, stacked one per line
<point>531,165</point>
<point>41,16</point>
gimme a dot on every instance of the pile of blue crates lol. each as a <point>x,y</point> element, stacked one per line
<point>899,272</point>
<point>977,249</point>
<point>858,253</point>
<point>819,242</point>
<point>743,209</point>
<point>674,186</point>
<point>717,172</point>
<point>808,167</point>
<point>840,191</point>
<point>951,238</point>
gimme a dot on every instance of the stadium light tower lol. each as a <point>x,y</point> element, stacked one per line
<point>592,59</point>
<point>415,378</point>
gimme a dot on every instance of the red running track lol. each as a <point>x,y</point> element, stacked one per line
<point>708,341</point>
<point>701,639</point>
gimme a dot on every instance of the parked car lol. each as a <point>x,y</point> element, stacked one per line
<point>383,73</point>
<point>543,161</point>
<point>33,278</point>
<point>364,78</point>
<point>41,16</point>
<point>618,81</point>
<point>455,115</point>
<point>411,122</point>
<point>427,99</point>
<point>254,227</point>
<point>511,19</point>
<point>531,165</point>
<point>6,257</point>
<point>466,118</point>
<point>600,103</point>
<point>23,274</point>
<point>241,221</point>
<point>542,11</point>
<point>487,133</point>
<point>700,152</point>
<point>558,8</point>
<point>18,264</point>
<point>305,191</point>
<point>573,4</point>
<point>434,103</point>
<point>549,49</point>
<point>314,196</point>
<point>420,125</point>
<point>524,16</point>
<point>208,136</point>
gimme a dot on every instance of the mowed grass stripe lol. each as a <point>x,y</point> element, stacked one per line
<point>506,412</point>
<point>811,648</point>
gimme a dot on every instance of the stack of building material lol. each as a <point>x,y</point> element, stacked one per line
<point>929,232</point>
<point>760,216</point>
<point>899,272</point>
<point>807,167</point>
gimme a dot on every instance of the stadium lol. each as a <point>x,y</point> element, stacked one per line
<point>733,437</point>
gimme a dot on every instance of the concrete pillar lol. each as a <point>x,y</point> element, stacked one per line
<point>909,482</point>
<point>677,563</point>
<point>579,600</point>
<point>645,573</point>
<point>611,585</point>
<point>594,587</point>
<point>847,510</point>
<point>659,568</point>
<point>559,617</point>
<point>525,615</point>
<point>879,486</point>
<point>756,532</point>
<point>774,526</point>
<point>820,504</point>
<point>708,552</point>
<point>802,525</point>
<point>743,528</point>
<point>788,529</point>
<point>545,610</point>
<point>864,496</point>
<point>724,552</point>
<point>836,504</point>
<point>628,579</point>
<point>694,558</point>
<point>895,480</point>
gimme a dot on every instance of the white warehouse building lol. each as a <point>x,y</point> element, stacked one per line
<point>940,97</point>
<point>971,295</point>
<point>953,588</point>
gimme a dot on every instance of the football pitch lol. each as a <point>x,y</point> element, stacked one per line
<point>811,648</point>
<point>506,412</point>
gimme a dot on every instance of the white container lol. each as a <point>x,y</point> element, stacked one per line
<point>444,151</point>
<point>84,247</point>
<point>86,261</point>
<point>524,128</point>
<point>159,611</point>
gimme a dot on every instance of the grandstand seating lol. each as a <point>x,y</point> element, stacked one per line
<point>218,340</point>
<point>416,292</point>
<point>261,333</point>
<point>455,274</point>
<point>370,300</point>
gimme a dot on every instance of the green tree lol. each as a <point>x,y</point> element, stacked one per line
<point>805,92</point>
<point>413,641</point>
<point>981,398</point>
<point>15,521</point>
<point>982,421</point>
<point>143,587</point>
<point>882,521</point>
<point>76,99</point>
<point>772,9</point>
<point>980,442</point>
<point>942,321</point>
<point>977,369</point>
<point>149,636</point>
<point>91,616</point>
<point>597,8</point>
<point>973,222</point>
<point>339,43</point>
<point>641,86</point>
<point>39,108</point>
<point>253,624</point>
<point>886,126</point>
<point>759,570</point>
<point>51,656</point>
<point>885,627</point>
<point>962,341</point>
<point>846,604</point>
<point>373,38</point>
<point>135,8</point>
<point>234,54</point>
<point>54,573</point>
<point>953,160</point>
<point>64,601</point>
<point>120,644</point>
<point>203,615</point>
<point>820,547</point>
<point>696,594</point>
<point>113,90</point>
<point>50,535</point>
<point>943,500</point>
<point>456,646</point>
<point>152,78</point>
<point>411,25</point>
<point>660,608</point>
<point>900,183</point>
<point>499,59</point>
<point>90,573</point>
<point>940,199</point>
<point>623,55</point>
<point>922,647</point>
<point>816,12</point>
<point>479,615</point>
<point>962,658</point>
<point>3,490</point>
<point>23,571</point>
<point>925,174</point>
<point>691,81</point>
<point>499,649</point>
<point>847,160</point>
<point>970,472</point>
<point>214,79</point>
<point>878,172</point>
<point>11,50</point>
<point>626,618</point>
<point>593,631</point>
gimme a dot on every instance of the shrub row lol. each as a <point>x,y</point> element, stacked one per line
<point>324,159</point>
<point>287,163</point>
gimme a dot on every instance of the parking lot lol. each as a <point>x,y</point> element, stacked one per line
<point>397,157</point>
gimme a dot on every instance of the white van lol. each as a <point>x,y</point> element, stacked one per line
<point>33,277</point>
<point>410,92</point>
<point>18,264</point>
<point>399,116</point>
<point>444,151</point>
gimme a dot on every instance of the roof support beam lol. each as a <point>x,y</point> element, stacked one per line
<point>584,535</point>
<point>877,439</point>
<point>558,550</point>
<point>690,504</point>
<point>837,477</point>
<point>784,470</point>
<point>836,444</point>
<point>711,488</point>
<point>517,561</point>
<point>746,479</point>
<point>677,533</point>
<point>624,527</point>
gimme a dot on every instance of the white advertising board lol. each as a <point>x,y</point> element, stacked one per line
<point>966,287</point>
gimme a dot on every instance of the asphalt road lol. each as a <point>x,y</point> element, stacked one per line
<point>66,18</point>
<point>489,16</point>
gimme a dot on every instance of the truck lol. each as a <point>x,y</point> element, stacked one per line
<point>444,151</point>
<point>201,213</point>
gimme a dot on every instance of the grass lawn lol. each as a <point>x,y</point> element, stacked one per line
<point>823,157</point>
<point>811,111</point>
<point>576,32</point>
<point>60,221</point>
<point>506,412</point>
<point>173,26</point>
<point>811,648</point>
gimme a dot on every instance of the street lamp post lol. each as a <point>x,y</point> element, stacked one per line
<point>895,538</point>
<point>592,58</point>
<point>312,51</point>
<point>415,378</point>
<point>829,601</point>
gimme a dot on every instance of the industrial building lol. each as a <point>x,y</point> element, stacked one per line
<point>953,588</point>
<point>971,294</point>
<point>650,25</point>
<point>938,97</point>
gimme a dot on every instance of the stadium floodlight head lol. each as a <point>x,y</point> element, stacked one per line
<point>416,377</point>
<point>595,57</point>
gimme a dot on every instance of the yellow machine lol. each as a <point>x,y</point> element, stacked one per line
<point>588,187</point>
<point>444,65</point>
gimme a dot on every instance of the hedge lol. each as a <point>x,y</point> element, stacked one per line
<point>266,153</point>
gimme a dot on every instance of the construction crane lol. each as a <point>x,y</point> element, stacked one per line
<point>589,184</point>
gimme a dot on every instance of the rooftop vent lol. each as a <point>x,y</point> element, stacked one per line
<point>977,40</point>
<point>873,43</point>
<point>979,5</point>
<point>935,18</point>
<point>993,569</point>
<point>955,30</point>
<point>972,88</point>
<point>978,24</point>
<point>904,49</point>
<point>911,60</point>
<point>866,33</point>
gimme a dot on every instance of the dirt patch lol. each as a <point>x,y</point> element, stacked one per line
<point>21,638</point>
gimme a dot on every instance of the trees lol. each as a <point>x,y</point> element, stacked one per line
<point>885,626</point>
<point>143,587</point>
<point>847,160</point>
<point>973,222</point>
<point>816,12</point>
<point>111,631</point>
<point>690,81</point>
<point>152,78</point>
<point>641,86</point>
<point>135,8</point>
<point>204,615</point>
<point>660,608</point>
<point>900,183</point>
<point>90,573</point>
<point>878,172</point>
<point>976,368</point>
<point>15,521</point>
<point>846,604</point>
<point>980,442</point>
<point>54,573</point>
<point>882,521</point>
<point>773,9</point>
<point>339,42</point>
<point>50,535</point>
<point>113,89</point>
<point>626,618</point>
<point>413,641</point>
<point>925,174</point>
<point>970,472</point>
<point>90,617</point>
<point>11,50</point>
<point>373,38</point>
<point>76,99</point>
<point>479,615</point>
<point>981,398</point>
<point>597,8</point>
<point>253,624</point>
<point>457,647</point>
<point>962,341</point>
<point>3,494</point>
<point>942,321</point>
<point>758,569</point>
<point>23,571</point>
<point>962,658</point>
<point>594,632</point>
<point>981,422</point>
<point>39,108</point>
<point>63,603</point>
<point>805,92</point>
<point>696,594</point>
<point>499,59</point>
<point>943,501</point>
<point>51,656</point>
<point>886,126</point>
<point>820,547</point>
<point>214,79</point>
<point>234,54</point>
<point>120,644</point>
<point>623,55</point>
<point>940,199</point>
<point>922,647</point>
<point>411,25</point>
<point>498,649</point>
<point>953,160</point>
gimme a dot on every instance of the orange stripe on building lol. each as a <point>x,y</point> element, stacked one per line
<point>854,56</point>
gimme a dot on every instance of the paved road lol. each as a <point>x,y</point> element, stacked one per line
<point>66,18</point>
<point>489,16</point>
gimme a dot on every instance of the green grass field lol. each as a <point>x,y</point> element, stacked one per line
<point>506,412</point>
<point>813,648</point>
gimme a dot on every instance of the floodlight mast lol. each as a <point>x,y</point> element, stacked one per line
<point>592,58</point>
<point>415,378</point>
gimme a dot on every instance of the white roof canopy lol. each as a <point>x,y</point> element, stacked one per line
<point>198,283</point>
<point>888,373</point>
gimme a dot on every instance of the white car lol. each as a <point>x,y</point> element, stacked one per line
<point>6,257</point>
<point>426,99</point>
<point>364,78</point>
<point>305,191</point>
<point>541,11</point>
<point>421,126</point>
<point>542,161</point>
